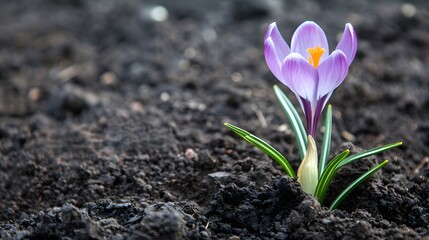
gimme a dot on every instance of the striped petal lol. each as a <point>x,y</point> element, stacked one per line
<point>309,35</point>
<point>332,73</point>
<point>273,61</point>
<point>280,46</point>
<point>348,43</point>
<point>300,76</point>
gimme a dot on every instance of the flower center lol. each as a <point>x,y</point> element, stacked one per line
<point>315,54</point>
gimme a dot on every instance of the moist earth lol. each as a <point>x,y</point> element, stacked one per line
<point>112,112</point>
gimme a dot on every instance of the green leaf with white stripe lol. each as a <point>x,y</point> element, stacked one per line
<point>294,119</point>
<point>356,183</point>
<point>326,144</point>
<point>265,147</point>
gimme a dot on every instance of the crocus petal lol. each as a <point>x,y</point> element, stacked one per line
<point>309,35</point>
<point>332,72</point>
<point>280,46</point>
<point>300,76</point>
<point>348,43</point>
<point>273,61</point>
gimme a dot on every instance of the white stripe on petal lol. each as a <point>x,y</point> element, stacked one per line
<point>300,76</point>
<point>348,43</point>
<point>309,35</point>
<point>273,62</point>
<point>332,72</point>
<point>280,46</point>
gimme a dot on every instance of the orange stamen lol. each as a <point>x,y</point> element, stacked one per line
<point>315,54</point>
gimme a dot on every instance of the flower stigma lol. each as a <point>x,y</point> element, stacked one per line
<point>315,54</point>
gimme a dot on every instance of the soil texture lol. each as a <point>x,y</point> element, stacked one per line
<point>112,112</point>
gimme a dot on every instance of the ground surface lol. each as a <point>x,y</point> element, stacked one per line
<point>111,122</point>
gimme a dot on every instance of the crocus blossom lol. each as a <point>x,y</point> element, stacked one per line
<point>307,68</point>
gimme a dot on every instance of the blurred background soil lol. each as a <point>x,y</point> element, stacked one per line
<point>112,112</point>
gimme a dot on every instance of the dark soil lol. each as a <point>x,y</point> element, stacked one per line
<point>111,123</point>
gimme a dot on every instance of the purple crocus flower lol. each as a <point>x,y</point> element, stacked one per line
<point>307,68</point>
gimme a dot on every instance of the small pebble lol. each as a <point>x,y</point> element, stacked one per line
<point>236,77</point>
<point>190,53</point>
<point>209,34</point>
<point>35,94</point>
<point>159,14</point>
<point>408,10</point>
<point>234,237</point>
<point>108,78</point>
<point>284,128</point>
<point>348,136</point>
<point>219,174</point>
<point>102,121</point>
<point>164,97</point>
<point>137,106</point>
<point>191,154</point>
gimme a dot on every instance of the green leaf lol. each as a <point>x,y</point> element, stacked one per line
<point>341,161</point>
<point>327,175</point>
<point>295,121</point>
<point>367,153</point>
<point>265,147</point>
<point>326,145</point>
<point>356,183</point>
